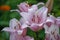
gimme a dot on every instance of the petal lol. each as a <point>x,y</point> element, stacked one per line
<point>22,20</point>
<point>13,23</point>
<point>58,21</point>
<point>33,7</point>
<point>52,29</point>
<point>13,36</point>
<point>50,20</point>
<point>24,32</point>
<point>42,13</point>
<point>34,27</point>
<point>20,32</point>
<point>26,16</point>
<point>23,7</point>
<point>46,29</point>
<point>24,26</point>
<point>8,29</point>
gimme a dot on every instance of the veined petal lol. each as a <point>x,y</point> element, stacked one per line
<point>22,20</point>
<point>8,29</point>
<point>42,13</point>
<point>52,29</point>
<point>33,7</point>
<point>13,23</point>
<point>58,21</point>
<point>13,36</point>
<point>26,16</point>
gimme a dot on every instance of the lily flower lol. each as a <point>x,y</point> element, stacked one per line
<point>16,33</point>
<point>35,19</point>
<point>51,29</point>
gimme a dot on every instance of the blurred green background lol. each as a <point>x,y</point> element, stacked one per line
<point>5,16</point>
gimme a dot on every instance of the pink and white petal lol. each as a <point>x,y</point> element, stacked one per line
<point>34,27</point>
<point>52,17</point>
<point>42,13</point>
<point>28,38</point>
<point>19,32</point>
<point>36,18</point>
<point>47,37</point>
<point>24,23</point>
<point>8,29</point>
<point>33,7</point>
<point>24,26</point>
<point>58,21</point>
<point>49,21</point>
<point>13,23</point>
<point>42,10</point>
<point>41,26</point>
<point>26,16</point>
<point>13,36</point>
<point>22,20</point>
<point>23,7</point>
<point>46,29</point>
<point>24,32</point>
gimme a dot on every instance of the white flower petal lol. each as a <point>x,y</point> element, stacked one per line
<point>24,26</point>
<point>19,32</point>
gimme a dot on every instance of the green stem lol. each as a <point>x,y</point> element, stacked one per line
<point>36,35</point>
